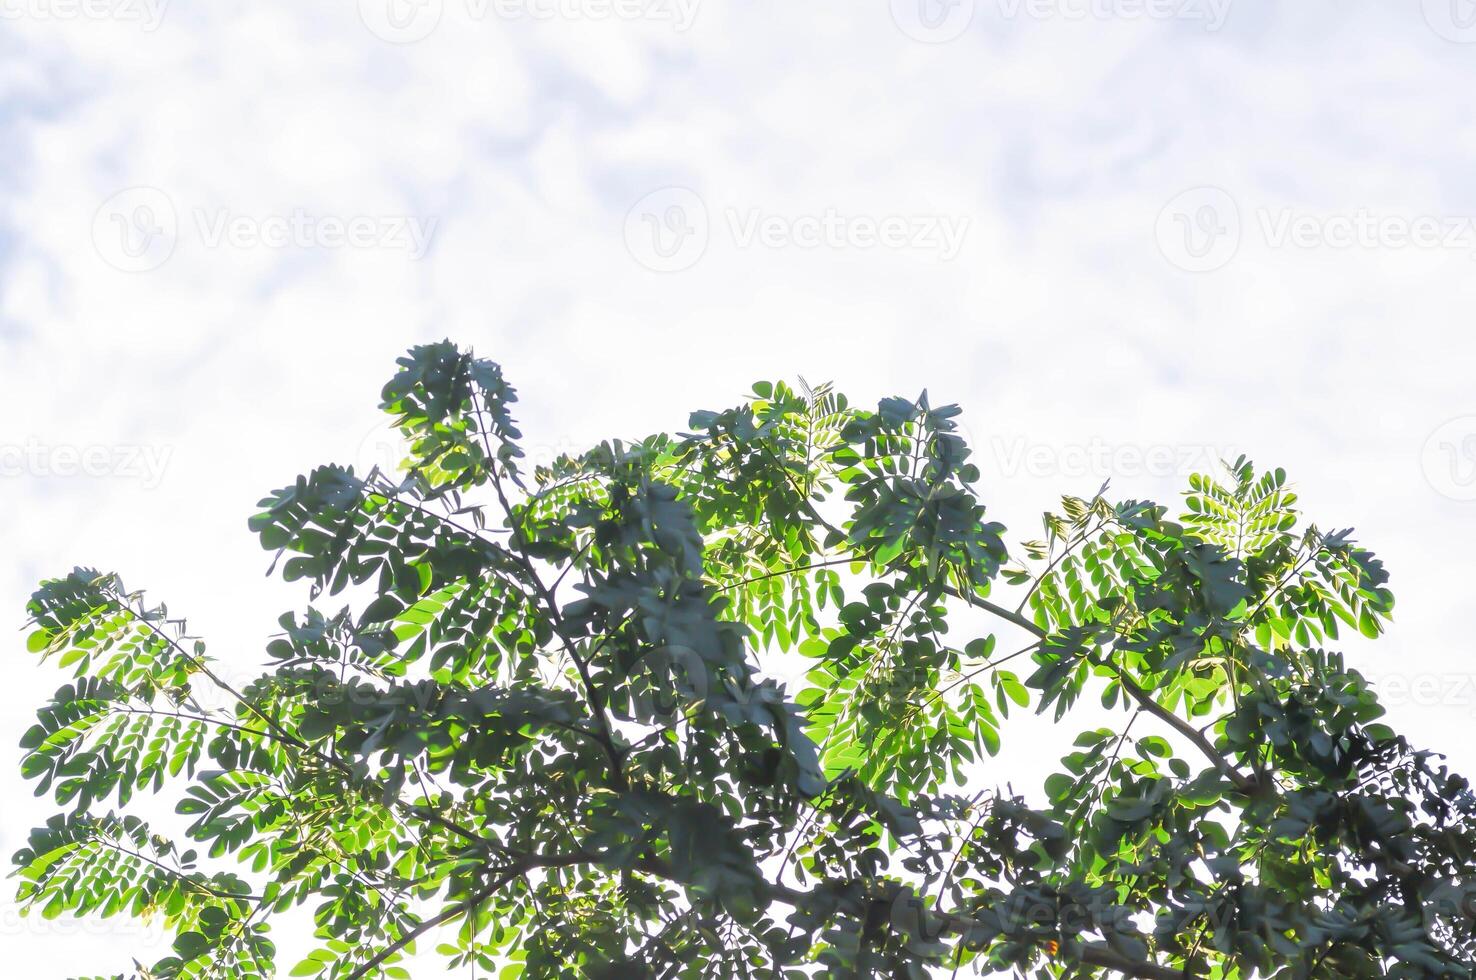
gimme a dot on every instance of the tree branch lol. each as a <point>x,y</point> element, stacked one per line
<point>1094,955</point>
<point>446,915</point>
<point>1244,783</point>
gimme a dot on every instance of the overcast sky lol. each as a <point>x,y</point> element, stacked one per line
<point>1128,236</point>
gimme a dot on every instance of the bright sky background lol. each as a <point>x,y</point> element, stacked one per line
<point>1128,236</point>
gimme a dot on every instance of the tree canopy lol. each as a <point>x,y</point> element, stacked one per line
<point>535,711</point>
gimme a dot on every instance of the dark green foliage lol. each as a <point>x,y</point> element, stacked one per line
<point>537,717</point>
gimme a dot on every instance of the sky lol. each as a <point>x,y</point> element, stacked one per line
<point>1129,237</point>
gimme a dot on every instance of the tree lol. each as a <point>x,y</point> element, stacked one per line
<point>538,719</point>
